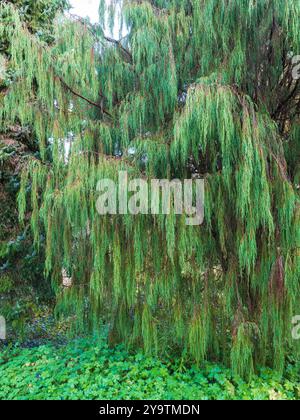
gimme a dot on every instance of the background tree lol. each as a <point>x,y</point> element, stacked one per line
<point>196,87</point>
<point>21,268</point>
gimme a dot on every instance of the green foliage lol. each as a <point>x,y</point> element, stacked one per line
<point>88,369</point>
<point>5,284</point>
<point>196,86</point>
<point>39,15</point>
<point>22,284</point>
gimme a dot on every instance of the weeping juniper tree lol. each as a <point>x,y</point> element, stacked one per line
<point>201,88</point>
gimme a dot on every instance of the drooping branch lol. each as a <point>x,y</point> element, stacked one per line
<point>89,101</point>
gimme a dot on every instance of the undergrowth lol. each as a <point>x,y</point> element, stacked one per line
<point>88,369</point>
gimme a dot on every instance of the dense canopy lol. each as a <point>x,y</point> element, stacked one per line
<point>196,88</point>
